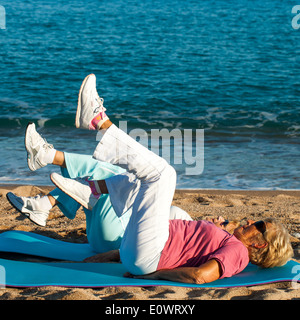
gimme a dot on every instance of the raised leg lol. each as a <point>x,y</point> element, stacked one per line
<point>148,228</point>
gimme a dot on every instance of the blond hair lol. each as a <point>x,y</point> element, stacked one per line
<point>279,249</point>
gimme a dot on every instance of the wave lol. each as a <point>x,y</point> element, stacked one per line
<point>13,123</point>
<point>220,127</point>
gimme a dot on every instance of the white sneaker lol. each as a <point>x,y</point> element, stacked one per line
<point>90,111</point>
<point>78,189</point>
<point>29,207</point>
<point>36,147</point>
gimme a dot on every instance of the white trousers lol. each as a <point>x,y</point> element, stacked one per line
<point>148,187</point>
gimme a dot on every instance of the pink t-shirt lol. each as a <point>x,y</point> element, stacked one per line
<point>192,243</point>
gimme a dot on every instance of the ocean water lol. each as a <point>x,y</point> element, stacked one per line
<point>230,68</point>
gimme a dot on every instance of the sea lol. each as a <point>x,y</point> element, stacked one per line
<point>225,74</point>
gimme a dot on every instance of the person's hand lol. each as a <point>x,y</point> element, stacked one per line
<point>128,275</point>
<point>219,221</point>
<point>110,256</point>
<point>151,276</point>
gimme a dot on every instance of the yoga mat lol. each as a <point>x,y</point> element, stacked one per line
<point>93,275</point>
<point>38,245</point>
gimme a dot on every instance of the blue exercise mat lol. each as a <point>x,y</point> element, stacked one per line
<point>67,274</point>
<point>38,245</point>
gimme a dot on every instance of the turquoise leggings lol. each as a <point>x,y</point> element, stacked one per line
<point>104,228</point>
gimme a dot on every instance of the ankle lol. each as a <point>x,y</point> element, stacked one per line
<point>45,203</point>
<point>102,186</point>
<point>59,159</point>
<point>94,188</point>
<point>52,200</point>
<point>98,121</point>
<point>105,125</point>
<point>49,156</point>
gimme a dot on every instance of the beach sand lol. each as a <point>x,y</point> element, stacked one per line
<point>232,205</point>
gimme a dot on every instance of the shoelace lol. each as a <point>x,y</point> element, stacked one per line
<point>37,197</point>
<point>47,145</point>
<point>100,102</point>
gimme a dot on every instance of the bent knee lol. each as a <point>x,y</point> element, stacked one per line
<point>169,172</point>
<point>138,265</point>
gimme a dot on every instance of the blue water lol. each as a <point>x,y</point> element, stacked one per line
<point>231,68</point>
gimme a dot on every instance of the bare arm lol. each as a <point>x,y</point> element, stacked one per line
<point>110,256</point>
<point>208,272</point>
<point>220,222</point>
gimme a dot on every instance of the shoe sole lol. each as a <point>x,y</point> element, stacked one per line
<point>78,112</point>
<point>25,214</point>
<point>70,194</point>
<point>26,142</point>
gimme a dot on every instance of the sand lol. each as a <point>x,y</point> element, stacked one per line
<point>200,204</point>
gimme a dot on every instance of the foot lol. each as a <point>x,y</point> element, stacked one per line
<point>37,148</point>
<point>78,189</point>
<point>30,207</point>
<point>90,111</point>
